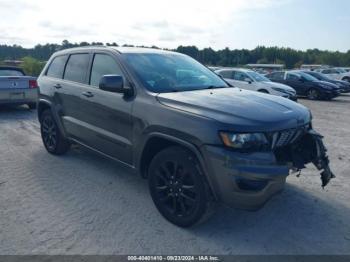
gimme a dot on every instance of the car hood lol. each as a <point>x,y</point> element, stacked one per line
<point>325,83</point>
<point>279,85</point>
<point>242,110</point>
<point>341,82</point>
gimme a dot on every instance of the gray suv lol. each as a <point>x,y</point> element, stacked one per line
<point>196,139</point>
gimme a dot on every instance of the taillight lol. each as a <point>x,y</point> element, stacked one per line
<point>33,84</point>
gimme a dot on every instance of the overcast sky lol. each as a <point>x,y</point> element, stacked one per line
<point>299,24</point>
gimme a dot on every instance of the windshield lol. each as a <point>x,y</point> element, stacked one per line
<point>341,70</point>
<point>10,72</point>
<point>258,77</point>
<point>307,76</point>
<point>319,76</point>
<point>169,72</point>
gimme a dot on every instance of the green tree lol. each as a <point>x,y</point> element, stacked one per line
<point>32,66</point>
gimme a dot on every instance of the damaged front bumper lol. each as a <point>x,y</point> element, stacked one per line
<point>248,180</point>
<point>310,149</point>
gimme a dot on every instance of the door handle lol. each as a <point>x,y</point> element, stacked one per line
<point>57,86</point>
<point>88,94</point>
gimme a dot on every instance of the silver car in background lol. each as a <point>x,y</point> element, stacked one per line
<point>251,80</point>
<point>16,88</point>
<point>336,73</point>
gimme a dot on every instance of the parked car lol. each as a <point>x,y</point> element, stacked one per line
<point>343,85</point>
<point>336,73</point>
<point>305,84</point>
<point>16,88</point>
<point>312,67</point>
<point>196,139</point>
<point>251,80</point>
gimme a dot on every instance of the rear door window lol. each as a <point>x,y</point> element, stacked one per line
<point>56,67</point>
<point>292,77</point>
<point>77,68</point>
<point>103,64</point>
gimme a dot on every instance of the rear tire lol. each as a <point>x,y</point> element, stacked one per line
<point>53,140</point>
<point>313,94</point>
<point>32,106</point>
<point>178,189</point>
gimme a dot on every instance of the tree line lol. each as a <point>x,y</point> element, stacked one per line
<point>291,58</point>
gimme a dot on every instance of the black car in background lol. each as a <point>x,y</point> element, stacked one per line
<point>305,84</point>
<point>344,86</point>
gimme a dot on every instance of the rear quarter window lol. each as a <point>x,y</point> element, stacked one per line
<point>56,67</point>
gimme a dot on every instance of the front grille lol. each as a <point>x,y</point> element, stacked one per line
<point>287,137</point>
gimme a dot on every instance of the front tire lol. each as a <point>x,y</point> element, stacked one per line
<point>347,79</point>
<point>177,187</point>
<point>313,94</point>
<point>53,140</point>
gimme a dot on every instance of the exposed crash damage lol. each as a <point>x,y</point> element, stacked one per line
<point>308,148</point>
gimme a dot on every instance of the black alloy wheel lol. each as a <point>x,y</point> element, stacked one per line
<point>52,138</point>
<point>177,186</point>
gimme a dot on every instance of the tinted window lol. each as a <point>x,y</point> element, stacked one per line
<point>292,77</point>
<point>240,76</point>
<point>226,74</point>
<point>334,71</point>
<point>10,72</point>
<point>257,77</point>
<point>276,76</point>
<point>327,71</point>
<point>103,65</point>
<point>76,68</point>
<point>56,68</point>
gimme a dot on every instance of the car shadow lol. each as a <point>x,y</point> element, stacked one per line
<point>296,221</point>
<point>298,217</point>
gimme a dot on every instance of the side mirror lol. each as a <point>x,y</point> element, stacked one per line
<point>112,83</point>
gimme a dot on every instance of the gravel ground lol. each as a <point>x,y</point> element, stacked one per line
<point>82,203</point>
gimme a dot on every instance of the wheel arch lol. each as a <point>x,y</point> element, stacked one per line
<point>263,90</point>
<point>157,142</point>
<point>43,105</point>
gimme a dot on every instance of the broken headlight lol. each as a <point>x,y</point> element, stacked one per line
<point>244,141</point>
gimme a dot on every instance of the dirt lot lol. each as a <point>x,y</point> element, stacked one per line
<point>82,203</point>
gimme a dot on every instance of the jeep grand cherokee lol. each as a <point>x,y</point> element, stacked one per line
<point>196,139</point>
